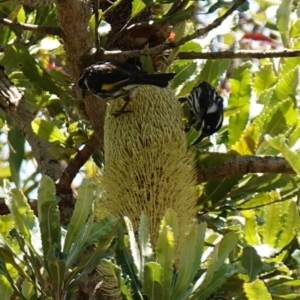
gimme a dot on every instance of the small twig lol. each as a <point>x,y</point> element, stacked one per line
<point>35,28</point>
<point>244,54</point>
<point>245,164</point>
<point>174,44</point>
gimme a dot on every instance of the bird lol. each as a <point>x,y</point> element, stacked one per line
<point>118,80</point>
<point>206,110</point>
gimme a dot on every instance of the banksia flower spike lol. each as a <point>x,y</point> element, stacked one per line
<point>147,166</point>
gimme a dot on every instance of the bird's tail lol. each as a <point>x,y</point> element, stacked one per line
<point>160,80</point>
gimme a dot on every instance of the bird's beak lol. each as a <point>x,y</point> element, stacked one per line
<point>83,93</point>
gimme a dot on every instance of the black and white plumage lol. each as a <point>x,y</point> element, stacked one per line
<point>115,80</point>
<point>206,110</point>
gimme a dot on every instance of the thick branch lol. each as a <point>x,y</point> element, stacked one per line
<point>31,27</point>
<point>245,164</point>
<point>244,54</point>
<point>34,3</point>
<point>171,45</point>
<point>12,101</point>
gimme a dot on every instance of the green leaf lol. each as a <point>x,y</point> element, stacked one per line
<point>190,258</point>
<point>250,228</point>
<point>170,219</point>
<point>227,244</point>
<point>286,86</point>
<point>203,281</point>
<point>292,157</point>
<point>48,216</point>
<point>137,7</point>
<point>18,57</point>
<point>47,131</point>
<point>183,74</point>
<point>283,20</point>
<point>212,70</point>
<point>144,243</point>
<point>289,225</point>
<point>264,79</point>
<point>190,46</point>
<point>135,252</point>
<point>82,209</point>
<point>165,249</point>
<point>240,97</point>
<point>272,223</point>
<point>153,281</point>
<point>57,269</point>
<point>6,290</point>
<point>251,262</point>
<point>22,214</point>
<point>256,290</point>
<point>219,279</point>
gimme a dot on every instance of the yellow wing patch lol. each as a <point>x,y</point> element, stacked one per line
<point>108,86</point>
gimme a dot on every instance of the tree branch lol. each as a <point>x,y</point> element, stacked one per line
<point>240,54</point>
<point>12,101</point>
<point>171,45</point>
<point>79,160</point>
<point>34,3</point>
<point>35,28</point>
<point>243,165</point>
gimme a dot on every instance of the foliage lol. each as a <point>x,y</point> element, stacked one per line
<point>38,258</point>
<point>249,248</point>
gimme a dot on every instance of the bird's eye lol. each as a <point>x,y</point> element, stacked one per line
<point>207,127</point>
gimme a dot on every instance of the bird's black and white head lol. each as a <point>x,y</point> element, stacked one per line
<point>213,118</point>
<point>206,110</point>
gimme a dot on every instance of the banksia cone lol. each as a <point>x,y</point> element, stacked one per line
<point>147,166</point>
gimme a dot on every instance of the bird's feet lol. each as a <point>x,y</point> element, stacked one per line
<point>120,112</point>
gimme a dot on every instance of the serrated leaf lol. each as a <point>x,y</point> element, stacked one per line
<point>256,290</point>
<point>57,269</point>
<point>165,249</point>
<point>135,252</point>
<point>264,79</point>
<point>240,97</point>
<point>47,131</point>
<point>183,74</point>
<point>227,244</point>
<point>292,157</point>
<point>202,282</point>
<point>283,20</point>
<point>248,141</point>
<point>272,223</point>
<point>170,219</point>
<point>46,192</point>
<point>22,214</point>
<point>153,281</point>
<point>259,199</point>
<point>190,258</point>
<point>287,85</point>
<point>250,228</point>
<point>82,209</point>
<point>289,225</point>
<point>252,263</point>
<point>212,70</point>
